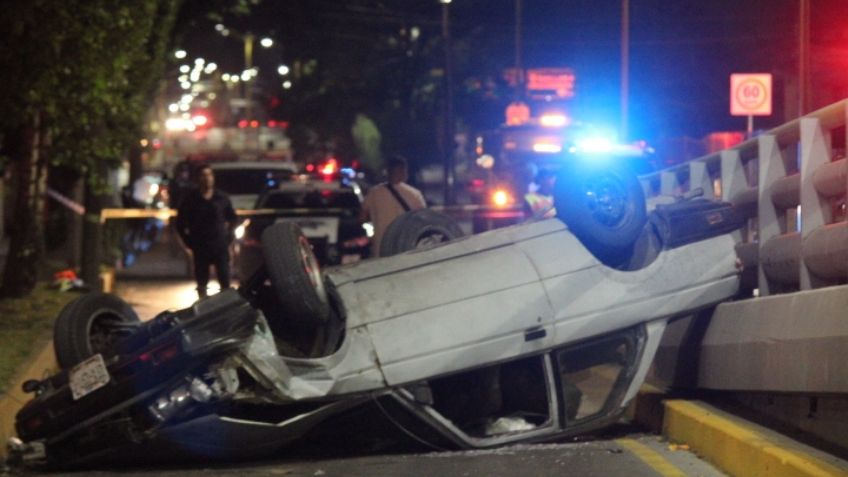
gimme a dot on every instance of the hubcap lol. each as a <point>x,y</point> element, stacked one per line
<point>430,238</point>
<point>105,334</point>
<point>606,198</point>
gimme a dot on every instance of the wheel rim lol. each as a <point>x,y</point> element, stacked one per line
<point>431,237</point>
<point>105,333</point>
<point>606,199</point>
<point>309,265</point>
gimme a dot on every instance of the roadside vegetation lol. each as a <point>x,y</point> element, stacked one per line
<point>27,324</point>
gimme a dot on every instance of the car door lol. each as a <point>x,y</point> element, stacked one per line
<point>464,304</point>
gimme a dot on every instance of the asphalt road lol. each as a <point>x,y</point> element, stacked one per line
<point>632,455</point>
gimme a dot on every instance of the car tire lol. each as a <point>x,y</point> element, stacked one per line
<point>93,323</point>
<point>603,205</point>
<point>295,274</point>
<point>417,229</point>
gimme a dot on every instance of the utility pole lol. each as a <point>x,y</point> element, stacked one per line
<point>248,85</point>
<point>448,141</point>
<point>519,68</point>
<point>804,57</point>
<point>625,67</point>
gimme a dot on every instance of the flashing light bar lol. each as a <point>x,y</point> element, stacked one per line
<point>553,120</point>
<point>547,147</point>
<point>595,145</point>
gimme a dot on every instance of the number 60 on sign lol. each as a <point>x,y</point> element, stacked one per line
<point>750,94</point>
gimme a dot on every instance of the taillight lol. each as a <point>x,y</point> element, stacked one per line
<point>357,242</point>
<point>501,198</point>
<point>33,423</point>
<point>160,355</point>
<point>330,167</point>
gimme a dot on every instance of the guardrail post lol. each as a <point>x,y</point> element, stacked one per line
<point>815,209</point>
<point>669,183</point>
<point>647,189</point>
<point>700,177</point>
<point>772,168</point>
<point>733,179</point>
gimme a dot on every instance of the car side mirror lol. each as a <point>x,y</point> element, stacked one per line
<point>31,386</point>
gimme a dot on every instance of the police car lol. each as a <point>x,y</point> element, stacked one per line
<point>326,208</point>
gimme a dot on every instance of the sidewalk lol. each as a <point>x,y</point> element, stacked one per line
<point>165,259</point>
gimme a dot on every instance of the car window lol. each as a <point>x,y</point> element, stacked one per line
<point>591,375</point>
<point>250,181</point>
<point>317,199</point>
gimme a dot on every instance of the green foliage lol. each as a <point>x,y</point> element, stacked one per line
<point>27,324</point>
<point>78,77</point>
<point>366,136</point>
<point>89,67</point>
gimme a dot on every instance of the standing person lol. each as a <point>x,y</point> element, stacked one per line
<point>205,223</point>
<point>386,201</point>
<point>539,201</point>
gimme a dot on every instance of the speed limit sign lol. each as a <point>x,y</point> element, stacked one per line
<point>750,94</point>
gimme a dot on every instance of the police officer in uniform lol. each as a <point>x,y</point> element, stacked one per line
<point>539,201</point>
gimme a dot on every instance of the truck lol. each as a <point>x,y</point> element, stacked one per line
<point>539,134</point>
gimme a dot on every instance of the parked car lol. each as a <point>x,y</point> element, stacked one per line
<point>327,212</point>
<point>531,332</point>
<point>242,180</point>
<point>245,181</point>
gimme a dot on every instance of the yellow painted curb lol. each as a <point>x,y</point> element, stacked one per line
<point>42,364</point>
<point>650,457</point>
<point>742,448</point>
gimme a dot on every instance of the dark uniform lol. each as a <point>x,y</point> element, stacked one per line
<point>206,228</point>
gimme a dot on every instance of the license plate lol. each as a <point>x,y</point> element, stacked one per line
<point>316,227</point>
<point>88,376</point>
<point>351,258</point>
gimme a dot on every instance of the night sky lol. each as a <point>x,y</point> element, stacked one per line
<point>681,55</point>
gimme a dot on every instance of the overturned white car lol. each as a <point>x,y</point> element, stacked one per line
<point>532,332</point>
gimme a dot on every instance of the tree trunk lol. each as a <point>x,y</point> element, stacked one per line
<point>92,240</point>
<point>136,164</point>
<point>26,241</point>
<point>73,246</point>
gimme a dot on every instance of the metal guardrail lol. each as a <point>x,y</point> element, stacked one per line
<point>792,181</point>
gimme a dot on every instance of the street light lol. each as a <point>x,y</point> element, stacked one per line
<point>247,38</point>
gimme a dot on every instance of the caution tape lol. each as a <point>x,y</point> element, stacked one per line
<point>461,211</point>
<point>74,207</point>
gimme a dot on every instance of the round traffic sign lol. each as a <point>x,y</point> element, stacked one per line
<point>751,94</point>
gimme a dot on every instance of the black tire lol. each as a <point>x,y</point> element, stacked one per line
<point>603,205</point>
<point>417,229</point>
<point>295,274</point>
<point>93,323</point>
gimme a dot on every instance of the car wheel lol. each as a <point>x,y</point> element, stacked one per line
<point>603,205</point>
<point>93,323</point>
<point>417,229</point>
<point>295,274</point>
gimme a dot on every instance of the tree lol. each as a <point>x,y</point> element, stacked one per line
<point>366,136</point>
<point>80,75</point>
